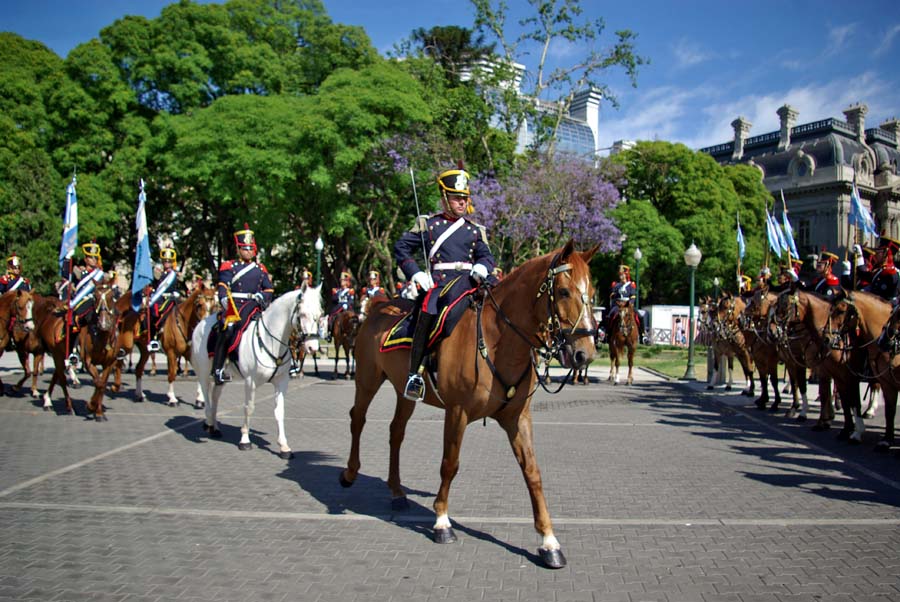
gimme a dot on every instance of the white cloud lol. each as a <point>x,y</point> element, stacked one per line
<point>688,53</point>
<point>838,37</point>
<point>887,40</point>
<point>693,117</point>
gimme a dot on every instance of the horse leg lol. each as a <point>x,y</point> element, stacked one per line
<point>630,380</point>
<point>23,359</point>
<point>890,412</point>
<point>337,354</point>
<point>139,373</point>
<point>773,376</point>
<point>211,404</point>
<point>249,403</point>
<point>854,424</point>
<point>763,400</point>
<point>826,407</point>
<point>747,367</point>
<point>99,390</point>
<point>518,430</point>
<point>454,427</point>
<point>37,368</point>
<point>874,394</point>
<point>172,371</point>
<point>365,391</point>
<point>347,354</point>
<point>402,412</point>
<point>284,450</point>
<point>729,371</point>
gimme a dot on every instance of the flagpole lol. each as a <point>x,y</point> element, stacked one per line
<point>766,260</point>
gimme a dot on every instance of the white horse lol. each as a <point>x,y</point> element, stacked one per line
<point>264,355</point>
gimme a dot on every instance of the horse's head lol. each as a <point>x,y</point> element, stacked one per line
<point>24,304</point>
<point>307,313</point>
<point>570,322</point>
<point>105,307</point>
<point>842,320</point>
<point>207,301</point>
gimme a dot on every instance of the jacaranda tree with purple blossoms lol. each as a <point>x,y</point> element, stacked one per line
<point>543,203</point>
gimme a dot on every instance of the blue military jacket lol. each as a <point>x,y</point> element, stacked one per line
<point>14,283</point>
<point>459,247</point>
<point>622,290</point>
<point>884,283</point>
<point>244,280</point>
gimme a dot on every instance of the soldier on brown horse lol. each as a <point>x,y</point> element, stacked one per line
<point>624,326</point>
<point>176,332</point>
<point>16,320</point>
<point>484,368</point>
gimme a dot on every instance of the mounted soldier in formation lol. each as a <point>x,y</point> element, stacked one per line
<point>165,295</point>
<point>825,282</point>
<point>13,280</point>
<point>458,257</point>
<point>373,288</point>
<point>244,289</point>
<point>624,290</point>
<point>343,299</point>
<point>883,276</point>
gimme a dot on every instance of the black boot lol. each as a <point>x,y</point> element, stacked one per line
<point>415,384</point>
<point>219,359</point>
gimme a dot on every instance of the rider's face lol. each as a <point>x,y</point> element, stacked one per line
<point>457,204</point>
<point>246,253</point>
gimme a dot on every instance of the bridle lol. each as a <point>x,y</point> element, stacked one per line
<point>557,331</point>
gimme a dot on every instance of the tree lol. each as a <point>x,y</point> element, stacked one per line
<point>552,21</point>
<point>698,198</point>
<point>545,202</point>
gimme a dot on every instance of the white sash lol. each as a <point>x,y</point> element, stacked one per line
<point>18,283</point>
<point>86,286</point>
<point>246,269</point>
<point>447,233</point>
<point>163,287</point>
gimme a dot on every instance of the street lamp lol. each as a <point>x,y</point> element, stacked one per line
<point>716,283</point>
<point>637,278</point>
<point>692,258</point>
<point>319,246</point>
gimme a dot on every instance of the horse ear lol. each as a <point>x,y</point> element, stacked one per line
<point>586,255</point>
<point>568,249</point>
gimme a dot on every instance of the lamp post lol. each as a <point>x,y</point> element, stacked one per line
<point>692,258</point>
<point>716,283</point>
<point>319,246</point>
<point>637,278</point>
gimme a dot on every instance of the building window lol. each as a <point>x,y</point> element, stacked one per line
<point>803,237</point>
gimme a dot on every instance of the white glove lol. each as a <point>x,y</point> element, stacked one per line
<point>765,271</point>
<point>423,280</point>
<point>478,273</point>
<point>847,268</point>
<point>857,250</point>
<point>223,301</point>
<point>259,298</point>
<point>793,275</point>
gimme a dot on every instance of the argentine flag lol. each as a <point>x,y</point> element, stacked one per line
<point>143,267</point>
<point>742,247</point>
<point>70,226</point>
<point>859,215</point>
<point>788,230</point>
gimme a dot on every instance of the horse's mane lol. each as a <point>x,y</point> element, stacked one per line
<point>312,300</point>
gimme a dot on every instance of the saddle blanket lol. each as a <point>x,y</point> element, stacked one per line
<point>450,312</point>
<point>234,336</point>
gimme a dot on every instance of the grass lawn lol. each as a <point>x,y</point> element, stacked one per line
<point>669,360</point>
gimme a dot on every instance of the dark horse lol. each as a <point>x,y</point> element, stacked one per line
<point>486,369</point>
<point>100,344</point>
<point>623,335</point>
<point>346,327</point>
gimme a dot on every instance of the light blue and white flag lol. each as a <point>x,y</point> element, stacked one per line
<point>772,233</point>
<point>70,226</point>
<point>143,267</point>
<point>859,215</point>
<point>788,231</point>
<point>742,246</point>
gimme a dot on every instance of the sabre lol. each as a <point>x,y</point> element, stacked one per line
<point>412,177</point>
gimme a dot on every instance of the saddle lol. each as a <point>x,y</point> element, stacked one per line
<point>450,312</point>
<point>234,336</point>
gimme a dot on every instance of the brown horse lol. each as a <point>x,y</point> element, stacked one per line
<point>729,339</point>
<point>51,325</point>
<point>175,336</point>
<point>100,345</point>
<point>864,323</point>
<point>623,335</point>
<point>766,354</point>
<point>346,327</point>
<point>485,369</point>
<point>301,345</point>
<point>130,336</point>
<point>28,343</point>
<point>18,305</point>
<point>806,318</point>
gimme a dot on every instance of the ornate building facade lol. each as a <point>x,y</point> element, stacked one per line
<point>815,165</point>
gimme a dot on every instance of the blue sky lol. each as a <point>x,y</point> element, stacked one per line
<point>711,61</point>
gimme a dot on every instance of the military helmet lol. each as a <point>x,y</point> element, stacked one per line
<point>91,249</point>
<point>374,275</point>
<point>746,282</point>
<point>244,239</point>
<point>13,261</point>
<point>886,242</point>
<point>346,276</point>
<point>827,257</point>
<point>169,254</point>
<point>624,269</point>
<point>455,182</point>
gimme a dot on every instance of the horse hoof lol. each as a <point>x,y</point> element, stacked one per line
<point>728,387</point>
<point>445,535</point>
<point>400,504</point>
<point>48,408</point>
<point>286,455</point>
<point>774,408</point>
<point>215,433</point>
<point>800,418</point>
<point>760,404</point>
<point>344,481</point>
<point>171,404</point>
<point>554,559</point>
<point>199,405</point>
<point>709,387</point>
<point>245,446</point>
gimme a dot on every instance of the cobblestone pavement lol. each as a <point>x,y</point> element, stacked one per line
<point>659,492</point>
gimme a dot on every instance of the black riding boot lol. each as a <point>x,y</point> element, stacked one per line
<point>219,359</point>
<point>415,384</point>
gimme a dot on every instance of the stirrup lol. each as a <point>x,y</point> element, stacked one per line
<point>221,377</point>
<point>415,388</point>
<point>74,360</point>
<point>153,346</point>
<point>121,355</point>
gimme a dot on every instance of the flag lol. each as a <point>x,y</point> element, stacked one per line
<point>231,311</point>
<point>788,231</point>
<point>143,267</point>
<point>742,247</point>
<point>859,215</point>
<point>70,226</point>
<point>772,233</point>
